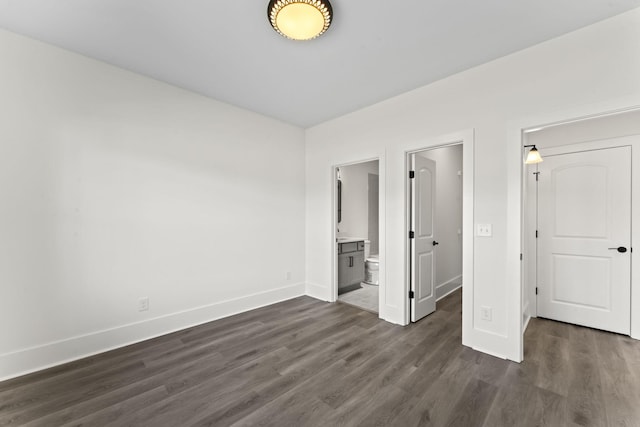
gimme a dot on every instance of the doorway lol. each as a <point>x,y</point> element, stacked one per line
<point>579,267</point>
<point>357,245</point>
<point>435,222</point>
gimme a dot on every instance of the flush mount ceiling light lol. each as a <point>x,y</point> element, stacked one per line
<point>533,156</point>
<point>300,19</point>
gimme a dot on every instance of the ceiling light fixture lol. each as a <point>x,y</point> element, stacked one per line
<point>533,156</point>
<point>300,19</point>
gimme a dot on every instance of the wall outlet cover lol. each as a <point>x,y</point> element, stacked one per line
<point>484,230</point>
<point>485,314</point>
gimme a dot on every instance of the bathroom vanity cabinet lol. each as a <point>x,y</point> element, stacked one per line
<point>350,264</point>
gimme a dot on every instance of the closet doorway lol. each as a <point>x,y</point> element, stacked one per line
<point>435,235</point>
<point>578,223</point>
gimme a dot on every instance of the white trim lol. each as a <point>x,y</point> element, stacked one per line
<point>529,225</point>
<point>635,238</point>
<point>513,346</point>
<point>525,317</point>
<point>316,291</point>
<point>446,288</point>
<point>526,324</point>
<point>515,142</point>
<point>40,357</point>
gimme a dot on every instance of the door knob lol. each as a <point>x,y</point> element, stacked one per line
<point>435,243</point>
<point>620,249</point>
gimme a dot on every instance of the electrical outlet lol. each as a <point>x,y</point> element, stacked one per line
<point>484,230</point>
<point>287,275</point>
<point>143,304</point>
<point>485,313</point>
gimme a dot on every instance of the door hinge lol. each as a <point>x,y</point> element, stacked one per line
<point>536,290</point>
<point>412,174</point>
<point>411,295</point>
<point>411,234</point>
<point>520,257</point>
<point>536,234</point>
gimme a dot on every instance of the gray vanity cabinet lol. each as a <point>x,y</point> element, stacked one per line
<point>350,264</point>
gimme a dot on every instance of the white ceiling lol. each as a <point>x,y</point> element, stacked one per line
<point>374,49</point>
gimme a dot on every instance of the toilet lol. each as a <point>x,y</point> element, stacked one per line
<point>371,267</point>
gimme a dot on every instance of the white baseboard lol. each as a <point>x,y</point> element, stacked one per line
<point>525,317</point>
<point>316,291</point>
<point>448,287</point>
<point>44,356</point>
<point>526,324</point>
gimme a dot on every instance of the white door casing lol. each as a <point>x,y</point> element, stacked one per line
<point>584,214</point>
<point>423,192</point>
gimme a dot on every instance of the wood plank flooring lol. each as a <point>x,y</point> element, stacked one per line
<point>307,363</point>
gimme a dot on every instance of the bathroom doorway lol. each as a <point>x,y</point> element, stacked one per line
<point>435,221</point>
<point>357,235</point>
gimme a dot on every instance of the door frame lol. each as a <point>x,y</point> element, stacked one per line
<point>466,139</point>
<point>516,138</point>
<point>334,243</point>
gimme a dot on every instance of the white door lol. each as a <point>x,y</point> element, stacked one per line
<point>423,194</point>
<point>584,215</point>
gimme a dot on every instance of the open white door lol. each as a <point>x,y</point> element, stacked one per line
<point>584,225</point>
<point>423,193</point>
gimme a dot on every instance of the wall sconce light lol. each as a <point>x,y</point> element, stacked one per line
<point>533,156</point>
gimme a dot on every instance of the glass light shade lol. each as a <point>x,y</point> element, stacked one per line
<point>300,19</point>
<point>533,157</point>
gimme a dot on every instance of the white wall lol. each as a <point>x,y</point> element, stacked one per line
<point>113,187</point>
<point>448,217</point>
<point>355,199</point>
<point>597,65</point>
<point>611,126</point>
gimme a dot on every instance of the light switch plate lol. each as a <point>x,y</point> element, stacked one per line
<point>484,230</point>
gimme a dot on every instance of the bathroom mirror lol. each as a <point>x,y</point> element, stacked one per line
<point>339,201</point>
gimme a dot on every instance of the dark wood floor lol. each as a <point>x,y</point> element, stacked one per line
<point>307,363</point>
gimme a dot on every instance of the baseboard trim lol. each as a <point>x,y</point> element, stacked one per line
<point>526,324</point>
<point>316,291</point>
<point>45,356</point>
<point>525,317</point>
<point>448,287</point>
